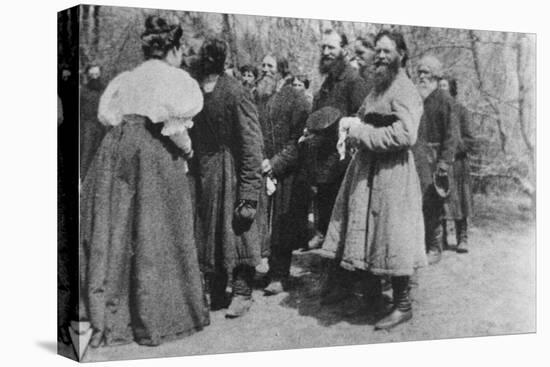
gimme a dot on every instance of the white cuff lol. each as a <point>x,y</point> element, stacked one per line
<point>176,126</point>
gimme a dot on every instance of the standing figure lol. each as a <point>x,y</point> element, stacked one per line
<point>376,225</point>
<point>139,267</point>
<point>435,152</point>
<point>364,54</point>
<point>345,90</point>
<point>460,204</point>
<point>91,130</point>
<point>228,146</point>
<point>282,118</point>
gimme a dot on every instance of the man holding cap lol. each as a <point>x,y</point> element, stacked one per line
<point>434,151</point>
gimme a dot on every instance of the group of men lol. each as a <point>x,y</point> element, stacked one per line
<point>381,164</point>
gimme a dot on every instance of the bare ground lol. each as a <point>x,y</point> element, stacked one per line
<point>489,291</point>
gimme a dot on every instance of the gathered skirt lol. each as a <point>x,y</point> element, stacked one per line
<point>139,270</point>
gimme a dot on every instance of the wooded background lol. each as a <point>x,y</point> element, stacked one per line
<point>496,71</point>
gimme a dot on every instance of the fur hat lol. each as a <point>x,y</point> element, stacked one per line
<point>323,118</point>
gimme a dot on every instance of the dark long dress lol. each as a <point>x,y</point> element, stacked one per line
<point>139,266</point>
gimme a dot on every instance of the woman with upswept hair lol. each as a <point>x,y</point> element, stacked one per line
<point>139,270</point>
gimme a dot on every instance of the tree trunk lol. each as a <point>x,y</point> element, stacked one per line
<point>524,124</point>
<point>474,40</point>
<point>229,36</point>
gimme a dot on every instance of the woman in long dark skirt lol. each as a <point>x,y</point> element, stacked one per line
<point>139,270</point>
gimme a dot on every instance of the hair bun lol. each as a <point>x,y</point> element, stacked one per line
<point>156,25</point>
<point>159,36</point>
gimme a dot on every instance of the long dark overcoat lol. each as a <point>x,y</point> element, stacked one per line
<point>438,136</point>
<point>282,119</point>
<point>228,146</point>
<point>460,202</point>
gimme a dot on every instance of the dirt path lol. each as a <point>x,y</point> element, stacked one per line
<point>489,291</point>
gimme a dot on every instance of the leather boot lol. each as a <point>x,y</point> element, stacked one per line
<point>461,227</point>
<point>241,301</point>
<point>376,303</point>
<point>373,302</point>
<point>216,294</point>
<point>239,306</point>
<point>435,243</point>
<point>402,311</point>
<point>274,287</point>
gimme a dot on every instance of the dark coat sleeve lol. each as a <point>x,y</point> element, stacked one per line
<point>450,130</point>
<point>287,158</point>
<point>250,147</point>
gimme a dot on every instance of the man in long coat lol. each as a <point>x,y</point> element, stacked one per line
<point>376,224</point>
<point>228,145</point>
<point>435,151</point>
<point>459,205</point>
<point>282,117</point>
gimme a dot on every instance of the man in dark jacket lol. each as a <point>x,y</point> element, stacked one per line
<point>228,146</point>
<point>435,151</point>
<point>459,206</point>
<point>345,90</point>
<point>282,117</point>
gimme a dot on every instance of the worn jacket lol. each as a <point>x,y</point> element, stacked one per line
<point>227,141</point>
<point>438,135</point>
<point>345,90</point>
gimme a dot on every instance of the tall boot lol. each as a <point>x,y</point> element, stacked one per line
<point>435,242</point>
<point>376,302</point>
<point>216,283</point>
<point>241,300</point>
<point>402,310</point>
<point>461,227</point>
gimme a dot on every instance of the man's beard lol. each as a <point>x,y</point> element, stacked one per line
<point>384,75</point>
<point>266,86</point>
<point>425,88</point>
<point>331,66</point>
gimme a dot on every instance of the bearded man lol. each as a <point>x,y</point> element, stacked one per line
<point>283,114</point>
<point>376,225</point>
<point>364,54</point>
<point>434,152</point>
<point>345,90</point>
<point>459,206</point>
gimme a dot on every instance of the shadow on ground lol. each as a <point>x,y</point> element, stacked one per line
<point>304,295</point>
